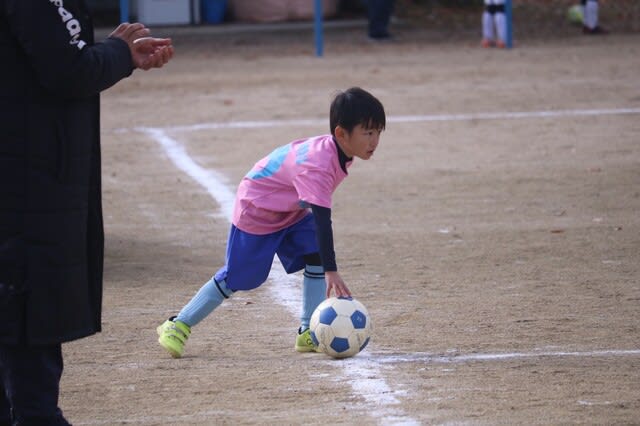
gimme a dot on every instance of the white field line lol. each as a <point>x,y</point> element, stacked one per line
<point>287,291</point>
<point>430,358</point>
<point>409,119</point>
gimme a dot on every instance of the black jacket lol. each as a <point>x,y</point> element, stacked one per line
<point>51,232</point>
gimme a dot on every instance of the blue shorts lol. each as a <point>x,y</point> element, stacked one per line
<point>249,256</point>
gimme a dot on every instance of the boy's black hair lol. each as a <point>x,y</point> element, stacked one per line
<point>356,106</point>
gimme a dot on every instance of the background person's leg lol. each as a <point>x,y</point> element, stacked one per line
<point>379,14</point>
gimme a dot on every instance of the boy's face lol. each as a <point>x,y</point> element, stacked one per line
<point>361,142</point>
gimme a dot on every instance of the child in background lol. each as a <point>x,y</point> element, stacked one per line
<point>590,18</point>
<point>494,21</point>
<point>283,207</point>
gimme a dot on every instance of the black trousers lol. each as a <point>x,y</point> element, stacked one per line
<point>379,14</point>
<point>30,385</point>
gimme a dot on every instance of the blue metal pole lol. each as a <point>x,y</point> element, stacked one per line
<point>318,27</point>
<point>124,11</point>
<point>508,11</point>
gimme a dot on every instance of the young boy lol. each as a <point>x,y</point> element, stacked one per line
<point>283,207</point>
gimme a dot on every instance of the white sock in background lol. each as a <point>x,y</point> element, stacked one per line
<point>501,25</point>
<point>487,26</point>
<point>591,14</point>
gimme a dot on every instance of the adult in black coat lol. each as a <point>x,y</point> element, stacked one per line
<point>51,231</point>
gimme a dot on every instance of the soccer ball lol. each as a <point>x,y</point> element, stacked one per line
<point>340,327</point>
<point>574,14</point>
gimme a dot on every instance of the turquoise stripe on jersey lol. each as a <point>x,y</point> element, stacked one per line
<point>276,158</point>
<point>301,154</point>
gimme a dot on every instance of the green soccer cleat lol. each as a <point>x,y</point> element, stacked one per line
<point>304,343</point>
<point>173,335</point>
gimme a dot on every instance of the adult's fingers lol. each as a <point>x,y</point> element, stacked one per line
<point>150,44</point>
<point>119,30</point>
<point>131,29</point>
<point>157,59</point>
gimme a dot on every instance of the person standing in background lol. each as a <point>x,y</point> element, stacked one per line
<point>379,15</point>
<point>51,229</point>
<point>494,21</point>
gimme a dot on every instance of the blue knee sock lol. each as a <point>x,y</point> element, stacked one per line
<point>314,290</point>
<point>209,297</point>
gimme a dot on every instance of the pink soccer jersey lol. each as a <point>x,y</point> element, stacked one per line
<point>276,192</point>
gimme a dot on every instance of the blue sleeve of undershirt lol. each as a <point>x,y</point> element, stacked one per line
<point>324,236</point>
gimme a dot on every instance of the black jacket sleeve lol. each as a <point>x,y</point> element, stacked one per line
<point>57,38</point>
<point>324,235</point>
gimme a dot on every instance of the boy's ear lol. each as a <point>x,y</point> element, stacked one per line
<point>340,132</point>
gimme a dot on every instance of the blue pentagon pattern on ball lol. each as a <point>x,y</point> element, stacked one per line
<point>341,327</point>
<point>327,315</point>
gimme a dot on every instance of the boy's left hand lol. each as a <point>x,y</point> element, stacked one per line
<point>336,283</point>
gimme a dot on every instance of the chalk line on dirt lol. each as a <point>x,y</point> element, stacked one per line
<point>433,358</point>
<point>260,124</point>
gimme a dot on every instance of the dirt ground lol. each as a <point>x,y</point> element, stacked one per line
<point>498,253</point>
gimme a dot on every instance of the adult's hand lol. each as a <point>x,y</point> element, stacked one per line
<point>130,32</point>
<point>150,52</point>
<point>146,52</point>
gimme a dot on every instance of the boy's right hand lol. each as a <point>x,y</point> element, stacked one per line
<point>336,283</point>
